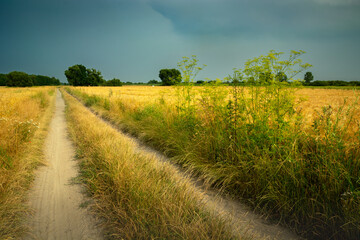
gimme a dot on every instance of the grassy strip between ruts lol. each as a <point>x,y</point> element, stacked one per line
<point>140,197</point>
<point>20,158</point>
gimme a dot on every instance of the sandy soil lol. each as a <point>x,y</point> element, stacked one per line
<point>55,198</point>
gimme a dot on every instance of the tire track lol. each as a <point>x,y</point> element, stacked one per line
<point>54,199</point>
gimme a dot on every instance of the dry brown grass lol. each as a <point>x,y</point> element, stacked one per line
<point>133,97</point>
<point>140,197</point>
<point>24,117</point>
<point>315,99</point>
<point>309,161</point>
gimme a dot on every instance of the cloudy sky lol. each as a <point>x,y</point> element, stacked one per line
<point>134,39</point>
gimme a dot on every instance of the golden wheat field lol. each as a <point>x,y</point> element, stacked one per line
<point>24,116</point>
<point>310,100</point>
<point>19,114</point>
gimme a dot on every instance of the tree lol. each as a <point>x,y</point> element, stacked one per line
<point>3,79</point>
<point>170,76</point>
<point>79,75</point>
<point>19,79</point>
<point>76,75</point>
<point>93,78</point>
<point>200,82</point>
<point>153,82</point>
<point>40,80</point>
<point>308,77</point>
<point>113,82</point>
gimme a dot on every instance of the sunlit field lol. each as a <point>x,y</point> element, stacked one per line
<point>291,153</point>
<point>138,196</point>
<point>24,114</point>
<point>309,100</point>
<point>314,98</point>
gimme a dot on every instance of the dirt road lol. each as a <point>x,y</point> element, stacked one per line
<point>54,198</point>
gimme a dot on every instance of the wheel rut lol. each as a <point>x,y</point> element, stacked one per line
<point>55,199</point>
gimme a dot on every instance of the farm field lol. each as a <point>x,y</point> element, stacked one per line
<point>313,98</point>
<point>24,117</point>
<point>290,153</point>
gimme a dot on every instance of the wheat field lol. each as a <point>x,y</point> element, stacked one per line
<point>24,116</point>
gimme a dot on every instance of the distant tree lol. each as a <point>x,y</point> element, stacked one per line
<point>19,79</point>
<point>113,82</point>
<point>3,79</point>
<point>153,82</point>
<point>128,83</point>
<point>40,80</point>
<point>354,83</point>
<point>170,76</point>
<point>55,81</point>
<point>308,77</point>
<point>79,75</point>
<point>93,78</point>
<point>200,82</point>
<point>76,75</point>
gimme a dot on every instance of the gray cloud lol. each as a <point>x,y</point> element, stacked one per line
<point>339,2</point>
<point>134,39</point>
<point>261,17</point>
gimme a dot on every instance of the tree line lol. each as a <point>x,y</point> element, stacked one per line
<point>22,79</point>
<point>79,75</point>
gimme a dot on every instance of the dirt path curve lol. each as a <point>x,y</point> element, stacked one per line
<point>55,200</point>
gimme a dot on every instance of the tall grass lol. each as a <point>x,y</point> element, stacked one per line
<point>255,144</point>
<point>139,197</point>
<point>24,116</point>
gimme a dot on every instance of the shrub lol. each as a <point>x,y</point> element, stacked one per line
<point>19,79</point>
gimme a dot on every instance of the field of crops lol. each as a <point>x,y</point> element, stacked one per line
<point>288,152</point>
<point>24,115</point>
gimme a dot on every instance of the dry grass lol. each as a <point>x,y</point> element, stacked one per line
<point>313,100</point>
<point>137,96</point>
<point>24,117</point>
<point>300,166</point>
<point>139,197</point>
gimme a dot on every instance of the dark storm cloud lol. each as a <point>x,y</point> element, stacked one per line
<point>133,39</point>
<point>262,17</point>
<point>116,36</point>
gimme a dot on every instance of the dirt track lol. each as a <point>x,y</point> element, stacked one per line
<point>54,198</point>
